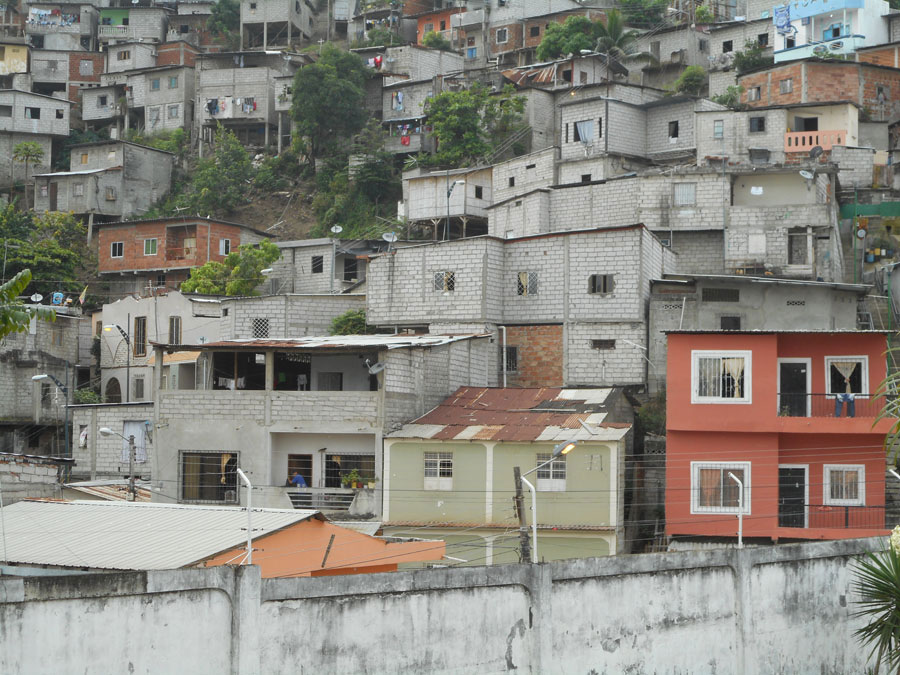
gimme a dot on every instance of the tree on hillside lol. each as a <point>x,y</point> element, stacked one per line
<point>469,124</point>
<point>644,13</point>
<point>239,274</point>
<point>434,40</point>
<point>28,153</point>
<point>220,182</point>
<point>617,42</point>
<point>329,100</point>
<point>225,21</point>
<point>351,322</point>
<point>570,37</point>
<point>14,315</point>
<point>691,81</point>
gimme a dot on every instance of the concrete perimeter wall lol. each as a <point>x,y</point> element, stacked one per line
<point>782,609</point>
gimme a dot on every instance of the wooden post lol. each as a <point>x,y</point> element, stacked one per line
<point>524,543</point>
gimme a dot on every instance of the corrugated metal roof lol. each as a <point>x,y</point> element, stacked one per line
<point>111,490</point>
<point>518,415</point>
<point>333,342</point>
<point>129,536</point>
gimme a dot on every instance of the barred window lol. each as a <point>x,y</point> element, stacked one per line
<point>512,358</point>
<point>438,470</point>
<point>445,281</point>
<point>551,478</point>
<point>713,490</point>
<point>684,194</point>
<point>845,484</point>
<point>527,283</point>
<point>720,377</point>
<point>601,283</point>
<point>721,295</point>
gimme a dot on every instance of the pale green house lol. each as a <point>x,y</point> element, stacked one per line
<point>449,474</point>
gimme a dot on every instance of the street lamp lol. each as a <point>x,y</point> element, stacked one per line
<point>108,328</point>
<point>106,431</point>
<point>450,187</point>
<point>560,449</point>
<point>62,386</point>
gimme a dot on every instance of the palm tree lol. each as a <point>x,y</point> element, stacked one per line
<point>28,152</point>
<point>878,584</point>
<point>14,315</point>
<point>618,43</point>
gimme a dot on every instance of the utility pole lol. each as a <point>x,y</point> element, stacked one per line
<point>131,491</point>
<point>524,544</point>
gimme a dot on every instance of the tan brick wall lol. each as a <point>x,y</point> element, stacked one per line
<point>540,355</point>
<point>880,57</point>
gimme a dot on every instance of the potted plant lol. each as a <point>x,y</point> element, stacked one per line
<point>370,482</point>
<point>353,478</point>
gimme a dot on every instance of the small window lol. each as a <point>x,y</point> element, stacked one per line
<point>703,45</point>
<point>551,478</point>
<point>173,82</point>
<point>603,344</point>
<point>154,84</point>
<point>753,93</point>
<point>45,392</point>
<point>719,129</point>
<point>60,114</point>
<point>786,86</point>
<point>318,264</point>
<point>101,101</point>
<point>444,25</point>
<point>684,194</point>
<point>527,283</point>
<point>713,490</point>
<point>762,40</point>
<point>351,269</point>
<point>757,124</point>
<point>253,5</point>
<point>111,156</point>
<point>32,113</point>
<point>78,190</point>
<point>512,358</point>
<point>150,246</point>
<point>139,336</point>
<point>882,93</point>
<point>844,484</point>
<point>438,470</point>
<point>44,190</point>
<point>84,158</point>
<point>601,284</point>
<point>534,31</point>
<point>260,327</point>
<point>123,55</point>
<point>673,129</point>
<point>174,328</point>
<point>720,377</point>
<point>209,477</point>
<point>721,295</point>
<point>5,111</point>
<point>427,28</point>
<point>502,36</point>
<point>727,46</point>
<point>160,280</point>
<point>110,193</point>
<point>584,131</point>
<point>479,192</point>
<point>137,388</point>
<point>846,375</point>
<point>173,112</point>
<point>117,249</point>
<point>330,382</point>
<point>224,246</point>
<point>444,281</point>
<point>730,322</point>
<point>512,181</point>
<point>798,246</point>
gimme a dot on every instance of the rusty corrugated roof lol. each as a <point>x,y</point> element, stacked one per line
<point>520,415</point>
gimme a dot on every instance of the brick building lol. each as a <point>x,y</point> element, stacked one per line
<point>140,254</point>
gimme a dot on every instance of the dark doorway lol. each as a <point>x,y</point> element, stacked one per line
<point>794,396</point>
<point>791,497</point>
<point>54,188</point>
<point>806,124</point>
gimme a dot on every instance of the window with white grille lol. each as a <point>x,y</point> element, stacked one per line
<point>527,283</point>
<point>713,490</point>
<point>684,194</point>
<point>721,377</point>
<point>438,471</point>
<point>844,484</point>
<point>551,478</point>
<point>260,327</point>
<point>444,281</point>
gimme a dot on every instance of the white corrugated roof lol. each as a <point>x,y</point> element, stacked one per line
<point>129,536</point>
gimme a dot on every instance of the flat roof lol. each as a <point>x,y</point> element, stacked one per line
<point>740,278</point>
<point>186,220</point>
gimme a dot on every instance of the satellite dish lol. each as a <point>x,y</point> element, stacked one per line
<point>815,152</point>
<point>374,368</point>
<point>37,297</point>
<point>806,174</point>
<point>389,237</point>
<point>337,229</point>
<point>861,233</point>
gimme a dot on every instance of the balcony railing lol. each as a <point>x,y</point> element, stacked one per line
<point>322,499</point>
<point>119,32</point>
<point>829,405</point>
<point>180,253</point>
<point>804,141</point>
<point>831,516</point>
<point>845,44</point>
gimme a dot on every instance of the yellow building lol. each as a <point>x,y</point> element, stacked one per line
<point>449,474</point>
<point>13,58</point>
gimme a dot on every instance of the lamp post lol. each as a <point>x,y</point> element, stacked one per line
<point>108,329</point>
<point>106,431</point>
<point>246,482</point>
<point>450,187</point>
<point>64,388</point>
<point>560,449</point>
<point>740,485</point>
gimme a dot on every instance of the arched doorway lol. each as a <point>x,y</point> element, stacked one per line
<point>113,391</point>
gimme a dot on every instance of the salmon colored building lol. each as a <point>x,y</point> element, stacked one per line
<point>792,416</point>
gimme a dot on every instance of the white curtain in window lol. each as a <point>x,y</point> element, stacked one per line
<point>585,131</point>
<point>846,368</point>
<point>135,429</point>
<point>735,368</point>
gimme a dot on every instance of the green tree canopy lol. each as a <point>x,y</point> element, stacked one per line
<point>240,274</point>
<point>570,37</point>
<point>14,315</point>
<point>225,21</point>
<point>351,322</point>
<point>617,42</point>
<point>434,40</point>
<point>691,82</point>
<point>469,124</point>
<point>220,182</point>
<point>644,13</point>
<point>27,153</point>
<point>752,56</point>
<point>329,100</point>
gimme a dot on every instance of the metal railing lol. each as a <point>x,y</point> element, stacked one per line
<point>829,405</point>
<point>832,516</point>
<point>322,499</point>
